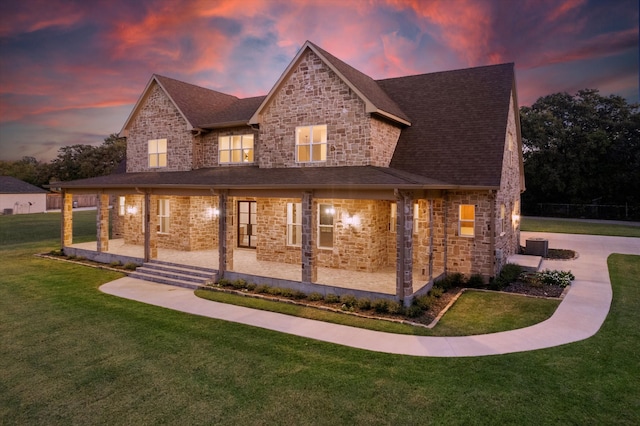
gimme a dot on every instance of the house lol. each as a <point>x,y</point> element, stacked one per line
<point>331,172</point>
<point>20,197</point>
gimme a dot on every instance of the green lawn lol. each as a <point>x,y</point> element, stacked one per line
<point>576,227</point>
<point>72,355</point>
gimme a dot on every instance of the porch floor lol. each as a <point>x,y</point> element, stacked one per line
<point>244,261</point>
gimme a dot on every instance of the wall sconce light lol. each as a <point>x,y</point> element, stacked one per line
<point>132,210</point>
<point>213,212</point>
<point>351,221</point>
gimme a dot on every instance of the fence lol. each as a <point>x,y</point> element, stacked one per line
<point>54,201</point>
<point>588,211</point>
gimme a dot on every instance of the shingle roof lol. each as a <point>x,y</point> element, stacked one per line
<point>255,177</point>
<point>11,185</point>
<point>459,122</point>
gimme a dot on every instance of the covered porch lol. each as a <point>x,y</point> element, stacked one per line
<point>245,263</point>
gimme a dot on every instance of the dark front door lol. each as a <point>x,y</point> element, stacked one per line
<point>247,215</point>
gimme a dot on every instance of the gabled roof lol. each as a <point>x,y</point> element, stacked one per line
<point>200,107</point>
<point>11,185</point>
<point>375,99</point>
<point>459,123</point>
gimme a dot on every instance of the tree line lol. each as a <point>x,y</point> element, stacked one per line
<point>73,162</point>
<point>581,149</point>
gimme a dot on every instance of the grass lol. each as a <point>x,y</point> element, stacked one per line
<point>567,226</point>
<point>72,355</point>
<point>474,313</point>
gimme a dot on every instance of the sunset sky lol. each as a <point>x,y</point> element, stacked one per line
<point>71,71</point>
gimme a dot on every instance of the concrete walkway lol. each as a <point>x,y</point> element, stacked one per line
<point>579,316</point>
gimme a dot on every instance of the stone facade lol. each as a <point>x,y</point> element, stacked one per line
<point>192,223</point>
<point>206,146</point>
<point>314,95</point>
<point>158,118</point>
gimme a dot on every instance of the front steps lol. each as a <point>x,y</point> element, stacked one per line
<point>185,276</point>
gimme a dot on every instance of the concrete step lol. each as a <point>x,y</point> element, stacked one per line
<point>165,280</point>
<point>173,274</point>
<point>528,263</point>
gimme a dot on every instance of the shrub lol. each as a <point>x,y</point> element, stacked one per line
<point>332,298</point>
<point>475,281</point>
<point>452,280</point>
<point>287,292</point>
<point>395,307</point>
<point>274,291</point>
<point>224,282</point>
<point>315,297</point>
<point>349,300</point>
<point>115,264</point>
<point>380,305</point>
<point>239,283</point>
<point>510,272</point>
<point>130,266</point>
<point>436,292</point>
<point>424,302</point>
<point>364,303</point>
<point>262,289</point>
<point>558,278</point>
<point>251,286</point>
<point>414,311</point>
<point>297,294</point>
<point>56,253</point>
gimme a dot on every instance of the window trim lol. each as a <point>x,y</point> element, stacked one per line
<point>243,151</point>
<point>311,144</point>
<point>320,226</point>
<point>292,223</point>
<point>466,221</point>
<point>157,153</point>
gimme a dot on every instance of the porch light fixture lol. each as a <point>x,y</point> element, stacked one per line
<point>330,211</point>
<point>351,221</point>
<point>132,210</point>
<point>213,212</point>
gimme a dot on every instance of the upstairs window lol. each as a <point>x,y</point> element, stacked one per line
<point>294,224</point>
<point>311,144</point>
<point>157,149</point>
<point>235,149</point>
<point>466,224</point>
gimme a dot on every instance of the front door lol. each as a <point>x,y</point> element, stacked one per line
<point>247,215</point>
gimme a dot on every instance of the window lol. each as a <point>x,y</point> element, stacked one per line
<point>163,216</point>
<point>294,224</point>
<point>157,153</point>
<point>121,206</point>
<point>235,149</point>
<point>325,225</point>
<point>467,220</point>
<point>394,217</point>
<point>311,144</point>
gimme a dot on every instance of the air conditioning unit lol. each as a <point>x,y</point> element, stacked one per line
<point>537,247</point>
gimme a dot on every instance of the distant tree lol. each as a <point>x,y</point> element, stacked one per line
<point>85,161</point>
<point>581,148</point>
<point>27,169</point>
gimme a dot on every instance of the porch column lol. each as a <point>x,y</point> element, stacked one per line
<point>66,219</point>
<point>404,246</point>
<point>309,264</point>
<point>430,239</point>
<point>102,223</point>
<point>150,228</point>
<point>225,256</point>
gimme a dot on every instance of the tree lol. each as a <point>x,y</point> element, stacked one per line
<point>581,149</point>
<point>27,169</point>
<point>85,161</point>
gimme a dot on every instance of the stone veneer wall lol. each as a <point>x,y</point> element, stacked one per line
<point>508,229</point>
<point>158,118</point>
<point>359,248</point>
<point>470,255</point>
<point>314,95</point>
<point>192,225</point>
